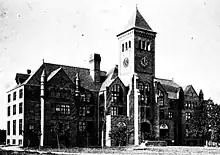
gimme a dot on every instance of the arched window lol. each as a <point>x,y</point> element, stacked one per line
<point>129,44</point>
<point>140,43</point>
<point>148,46</point>
<point>143,45</point>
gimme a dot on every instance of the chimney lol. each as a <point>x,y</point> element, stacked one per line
<point>28,71</point>
<point>94,62</point>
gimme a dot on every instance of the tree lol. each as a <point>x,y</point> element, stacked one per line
<point>205,122</point>
<point>120,134</point>
<point>55,129</point>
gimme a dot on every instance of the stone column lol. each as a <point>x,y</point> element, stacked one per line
<point>42,83</point>
<point>136,128</point>
<point>108,128</point>
<point>156,129</point>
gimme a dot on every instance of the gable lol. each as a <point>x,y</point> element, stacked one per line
<point>190,91</point>
<point>59,78</point>
<point>119,82</point>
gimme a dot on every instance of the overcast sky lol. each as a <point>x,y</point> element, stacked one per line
<point>67,31</point>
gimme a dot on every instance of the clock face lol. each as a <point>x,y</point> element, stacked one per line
<point>126,62</point>
<point>144,62</point>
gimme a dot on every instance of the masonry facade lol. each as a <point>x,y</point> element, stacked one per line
<point>80,106</point>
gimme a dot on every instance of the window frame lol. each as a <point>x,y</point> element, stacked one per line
<point>9,110</point>
<point>14,109</point>
<point>14,127</point>
<point>14,95</point>
<point>8,128</point>
<point>20,111</point>
<point>9,98</point>
<point>20,93</point>
<point>20,127</point>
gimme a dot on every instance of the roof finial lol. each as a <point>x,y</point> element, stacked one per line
<point>43,61</point>
<point>136,6</point>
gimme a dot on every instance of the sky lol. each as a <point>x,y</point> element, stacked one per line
<point>68,31</point>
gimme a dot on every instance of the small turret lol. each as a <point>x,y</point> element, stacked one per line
<point>201,95</point>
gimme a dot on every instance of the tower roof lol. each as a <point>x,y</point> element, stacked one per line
<point>137,21</point>
<point>201,93</point>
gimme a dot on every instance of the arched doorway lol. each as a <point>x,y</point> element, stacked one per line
<point>164,131</point>
<point>145,131</point>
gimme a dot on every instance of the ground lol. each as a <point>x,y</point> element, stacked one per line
<point>168,150</point>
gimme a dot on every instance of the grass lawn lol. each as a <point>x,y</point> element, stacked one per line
<point>169,150</point>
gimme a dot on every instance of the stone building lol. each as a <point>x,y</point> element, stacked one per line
<point>80,106</point>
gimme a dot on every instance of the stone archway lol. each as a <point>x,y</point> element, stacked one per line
<point>164,131</point>
<point>146,131</point>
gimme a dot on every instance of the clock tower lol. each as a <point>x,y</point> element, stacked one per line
<point>137,65</point>
<point>137,47</point>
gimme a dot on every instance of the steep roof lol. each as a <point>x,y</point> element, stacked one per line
<point>137,21</point>
<point>21,78</point>
<point>188,89</point>
<point>111,76</point>
<point>171,87</point>
<point>86,80</point>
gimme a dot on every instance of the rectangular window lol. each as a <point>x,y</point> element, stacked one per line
<point>20,142</point>
<point>67,110</point>
<point>142,112</point>
<point>83,98</point>
<point>170,115</point>
<point>114,111</point>
<point>8,110</point>
<point>57,108</point>
<point>62,109</point>
<point>8,127</point>
<point>14,109</point>
<point>82,126</point>
<point>20,93</point>
<point>20,126</point>
<point>31,126</point>
<point>82,111</point>
<point>161,114</point>
<point>14,96</point>
<point>123,48</point>
<point>88,97</point>
<point>13,141</point>
<point>8,141</point>
<point>9,98</point>
<point>20,108</point>
<point>14,127</point>
<point>188,115</point>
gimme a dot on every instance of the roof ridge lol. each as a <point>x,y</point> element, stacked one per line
<point>65,65</point>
